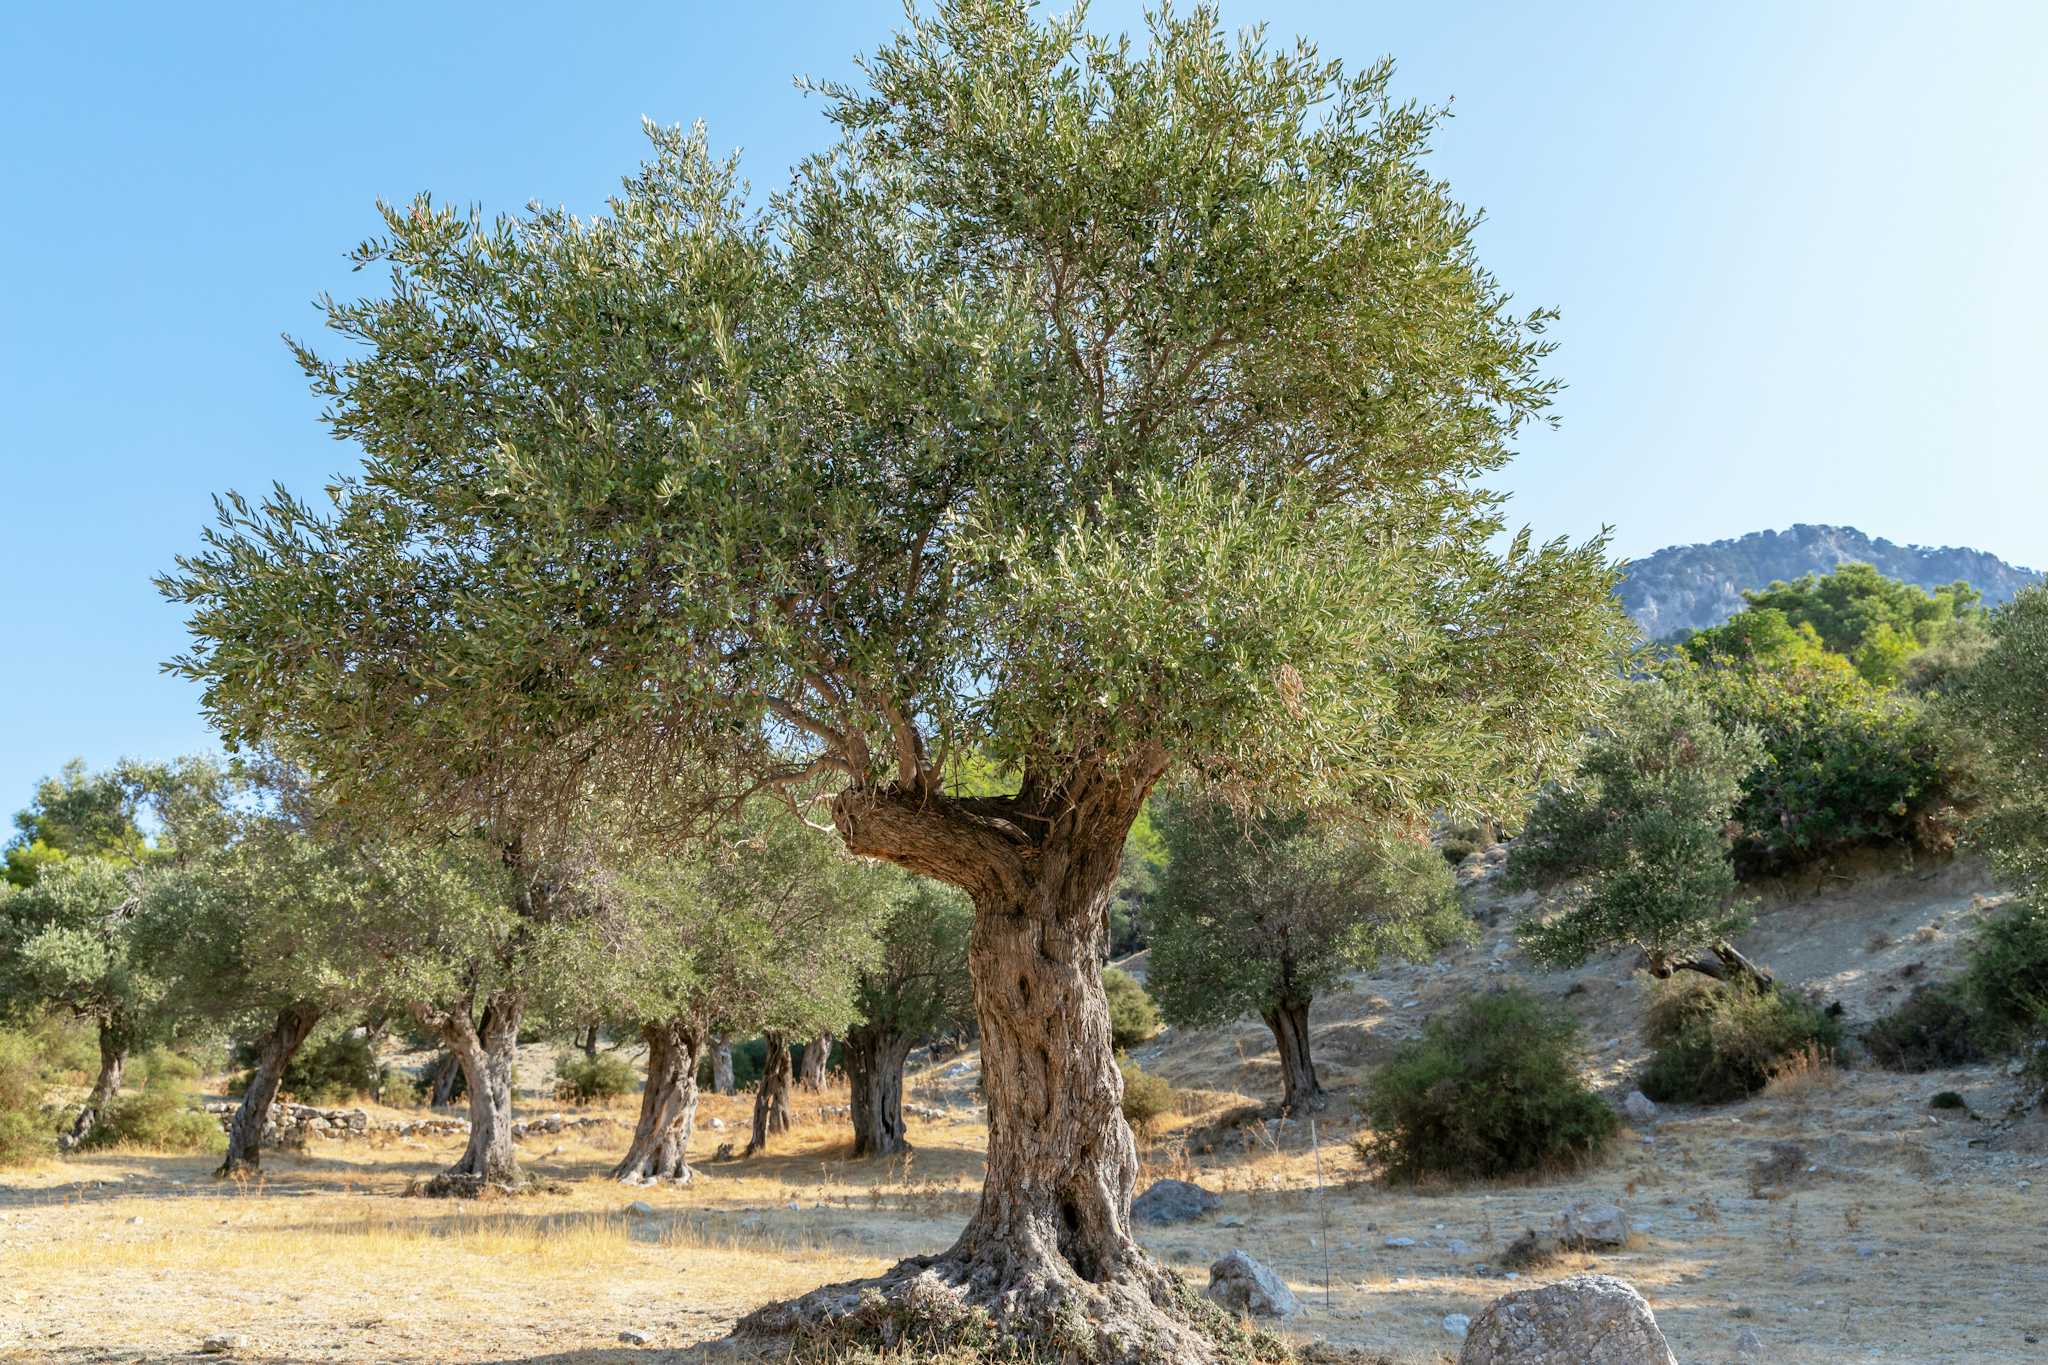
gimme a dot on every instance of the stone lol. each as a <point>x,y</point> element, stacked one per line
<point>1400,1241</point>
<point>632,1338</point>
<point>1588,1224</point>
<point>1584,1320</point>
<point>640,1208</point>
<point>1457,1324</point>
<point>1242,1285</point>
<point>223,1344</point>
<point>1748,1343</point>
<point>1639,1107</point>
<point>1173,1201</point>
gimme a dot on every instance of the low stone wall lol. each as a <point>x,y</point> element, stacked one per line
<point>298,1122</point>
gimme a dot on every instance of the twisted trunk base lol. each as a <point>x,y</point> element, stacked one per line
<point>106,1088</point>
<point>771,1098</point>
<point>874,1070</point>
<point>1048,1262</point>
<point>1301,1092</point>
<point>245,1134</point>
<point>810,1076</point>
<point>668,1106</point>
<point>488,1054</point>
<point>721,1065</point>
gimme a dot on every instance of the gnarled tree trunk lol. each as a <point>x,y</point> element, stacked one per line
<point>874,1068</point>
<point>771,1099</point>
<point>1301,1092</point>
<point>488,1054</point>
<point>721,1065</point>
<point>810,1076</point>
<point>106,1087</point>
<point>590,1043</point>
<point>1049,1254</point>
<point>245,1133</point>
<point>668,1106</point>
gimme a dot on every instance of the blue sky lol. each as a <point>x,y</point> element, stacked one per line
<point>1798,247</point>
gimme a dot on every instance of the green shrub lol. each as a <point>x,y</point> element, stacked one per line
<point>2006,980</point>
<point>1715,1042</point>
<point>162,1069</point>
<point>594,1080</point>
<point>68,1047</point>
<point>25,1135</point>
<point>1456,851</point>
<point>1934,1028</point>
<point>1146,1097</point>
<point>1490,1090</point>
<point>1133,1017</point>
<point>1947,1099</point>
<point>159,1119</point>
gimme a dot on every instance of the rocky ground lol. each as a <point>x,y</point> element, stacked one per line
<point>1835,1217</point>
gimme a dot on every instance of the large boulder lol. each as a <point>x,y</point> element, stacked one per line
<point>1242,1285</point>
<point>1172,1201</point>
<point>1590,1225</point>
<point>1585,1320</point>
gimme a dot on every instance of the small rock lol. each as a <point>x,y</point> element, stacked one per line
<point>1459,1248</point>
<point>1590,1224</point>
<point>1400,1241</point>
<point>1584,1320</point>
<point>1748,1343</point>
<point>223,1343</point>
<point>1457,1324</point>
<point>632,1338</point>
<point>639,1208</point>
<point>1639,1107</point>
<point>1243,1285</point>
<point>135,1222</point>
<point>1173,1201</point>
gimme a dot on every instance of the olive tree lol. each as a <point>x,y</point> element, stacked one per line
<point>1098,409</point>
<point>1640,839</point>
<point>2004,702</point>
<point>917,988</point>
<point>1260,916</point>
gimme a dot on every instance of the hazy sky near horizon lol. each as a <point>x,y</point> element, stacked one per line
<point>1798,246</point>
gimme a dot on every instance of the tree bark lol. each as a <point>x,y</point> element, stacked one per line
<point>245,1134</point>
<point>1049,1253</point>
<point>721,1065</point>
<point>1301,1092</point>
<point>810,1077</point>
<point>668,1106</point>
<point>590,1044</point>
<point>106,1087</point>
<point>874,1068</point>
<point>771,1099</point>
<point>443,1081</point>
<point>488,1053</point>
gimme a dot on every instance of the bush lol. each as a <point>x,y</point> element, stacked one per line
<point>160,1120</point>
<point>1490,1090</point>
<point>1456,851</point>
<point>594,1080</point>
<point>25,1135</point>
<point>1133,1017</point>
<point>1716,1042</point>
<point>1934,1028</point>
<point>2006,981</point>
<point>163,1069</point>
<point>1146,1097</point>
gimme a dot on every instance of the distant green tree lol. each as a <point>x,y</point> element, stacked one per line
<point>1261,916</point>
<point>1133,1018</point>
<point>917,988</point>
<point>1875,622</point>
<point>2004,701</point>
<point>1640,836</point>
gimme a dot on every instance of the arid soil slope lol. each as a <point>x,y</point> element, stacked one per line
<point>1907,1234</point>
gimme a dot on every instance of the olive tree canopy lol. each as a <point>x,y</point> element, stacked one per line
<point>1097,408</point>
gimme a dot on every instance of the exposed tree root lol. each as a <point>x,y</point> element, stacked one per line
<point>462,1185</point>
<point>950,1308</point>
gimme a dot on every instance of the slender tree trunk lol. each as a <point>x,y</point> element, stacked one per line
<point>1301,1092</point>
<point>488,1055</point>
<point>771,1099</point>
<point>442,1082</point>
<point>810,1077</point>
<point>590,1043</point>
<point>245,1134</point>
<point>874,1069</point>
<point>1049,1252</point>
<point>721,1065</point>
<point>106,1087</point>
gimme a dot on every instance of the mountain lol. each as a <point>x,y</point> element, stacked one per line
<point>1690,587</point>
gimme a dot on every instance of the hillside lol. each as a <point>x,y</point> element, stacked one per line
<point>1690,587</point>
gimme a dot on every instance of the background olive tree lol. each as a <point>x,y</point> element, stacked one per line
<point>1261,916</point>
<point>1102,409</point>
